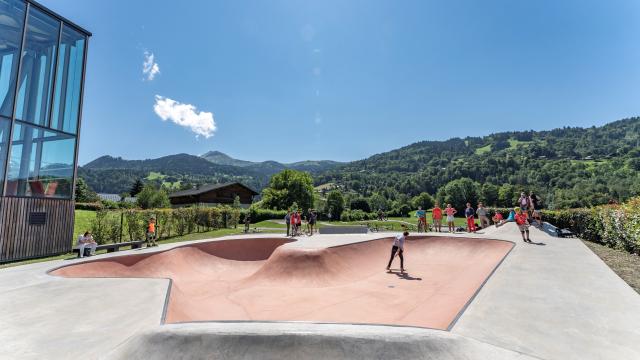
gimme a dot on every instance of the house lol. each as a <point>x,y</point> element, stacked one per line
<point>214,194</point>
<point>116,198</point>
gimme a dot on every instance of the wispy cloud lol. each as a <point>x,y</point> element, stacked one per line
<point>200,122</point>
<point>150,67</point>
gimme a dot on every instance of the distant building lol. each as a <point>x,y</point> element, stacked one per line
<point>116,198</point>
<point>215,194</point>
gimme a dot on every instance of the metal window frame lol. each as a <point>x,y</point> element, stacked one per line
<point>63,22</point>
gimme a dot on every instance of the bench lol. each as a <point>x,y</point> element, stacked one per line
<point>564,233</point>
<point>355,229</point>
<point>113,247</point>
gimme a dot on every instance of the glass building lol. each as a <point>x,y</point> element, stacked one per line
<point>42,67</point>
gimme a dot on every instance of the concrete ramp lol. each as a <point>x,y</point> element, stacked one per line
<point>302,341</point>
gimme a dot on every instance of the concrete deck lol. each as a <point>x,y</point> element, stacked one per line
<point>552,301</point>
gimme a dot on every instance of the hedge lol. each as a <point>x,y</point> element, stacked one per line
<point>127,225</point>
<point>617,226</point>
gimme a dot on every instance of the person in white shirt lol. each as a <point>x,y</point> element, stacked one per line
<point>398,247</point>
<point>85,241</point>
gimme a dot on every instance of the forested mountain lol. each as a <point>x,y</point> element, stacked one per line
<point>570,167</point>
<point>116,175</point>
<point>271,167</point>
<point>567,167</point>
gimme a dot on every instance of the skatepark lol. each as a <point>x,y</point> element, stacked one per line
<point>463,296</point>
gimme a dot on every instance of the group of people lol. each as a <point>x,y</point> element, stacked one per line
<point>86,240</point>
<point>294,220</point>
<point>528,211</point>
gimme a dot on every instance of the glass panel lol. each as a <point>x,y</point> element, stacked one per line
<point>66,103</point>
<point>11,25</point>
<point>4,140</point>
<point>36,74</point>
<point>41,163</point>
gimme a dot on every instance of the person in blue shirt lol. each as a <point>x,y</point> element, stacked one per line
<point>422,219</point>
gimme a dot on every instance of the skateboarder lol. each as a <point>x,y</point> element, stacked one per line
<point>523,224</point>
<point>398,247</point>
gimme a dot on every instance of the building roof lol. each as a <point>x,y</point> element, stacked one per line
<point>206,188</point>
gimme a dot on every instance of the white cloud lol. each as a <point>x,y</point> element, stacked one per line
<point>200,122</point>
<point>150,68</point>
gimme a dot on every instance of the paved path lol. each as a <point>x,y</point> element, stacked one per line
<point>552,301</point>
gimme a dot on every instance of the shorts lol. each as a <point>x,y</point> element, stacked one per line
<point>523,227</point>
<point>450,218</point>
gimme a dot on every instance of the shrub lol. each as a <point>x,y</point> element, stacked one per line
<point>95,206</point>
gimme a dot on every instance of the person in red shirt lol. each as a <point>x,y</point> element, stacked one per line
<point>523,224</point>
<point>498,219</point>
<point>436,215</point>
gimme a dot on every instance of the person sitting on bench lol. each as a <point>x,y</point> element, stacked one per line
<point>86,241</point>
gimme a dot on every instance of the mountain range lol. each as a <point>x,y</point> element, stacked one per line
<point>571,166</point>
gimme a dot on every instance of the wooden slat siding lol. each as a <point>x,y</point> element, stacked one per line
<point>19,240</point>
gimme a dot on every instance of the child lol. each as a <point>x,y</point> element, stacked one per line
<point>398,246</point>
<point>469,212</point>
<point>450,212</point>
<point>151,233</point>
<point>523,224</point>
<point>422,219</point>
<point>436,214</point>
<point>498,219</point>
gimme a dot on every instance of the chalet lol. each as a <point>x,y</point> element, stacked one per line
<point>214,194</point>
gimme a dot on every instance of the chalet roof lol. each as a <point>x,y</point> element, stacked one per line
<point>206,188</point>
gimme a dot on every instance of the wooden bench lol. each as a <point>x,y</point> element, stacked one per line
<point>113,247</point>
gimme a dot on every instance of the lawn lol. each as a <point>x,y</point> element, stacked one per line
<point>483,150</point>
<point>82,222</point>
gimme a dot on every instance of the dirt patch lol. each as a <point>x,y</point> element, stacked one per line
<point>626,265</point>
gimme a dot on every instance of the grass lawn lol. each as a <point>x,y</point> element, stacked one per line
<point>483,150</point>
<point>82,222</point>
<point>626,265</point>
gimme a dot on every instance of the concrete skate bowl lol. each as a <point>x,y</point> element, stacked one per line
<point>261,280</point>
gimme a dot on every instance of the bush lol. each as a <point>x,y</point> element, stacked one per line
<point>258,214</point>
<point>89,206</point>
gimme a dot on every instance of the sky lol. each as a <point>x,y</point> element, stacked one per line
<point>343,80</point>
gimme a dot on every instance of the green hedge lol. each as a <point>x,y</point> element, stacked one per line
<point>127,225</point>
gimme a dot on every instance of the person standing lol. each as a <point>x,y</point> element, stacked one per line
<point>398,247</point>
<point>151,233</point>
<point>524,202</point>
<point>483,216</point>
<point>247,223</point>
<point>287,221</point>
<point>523,224</point>
<point>469,213</point>
<point>422,219</point>
<point>298,222</point>
<point>450,211</point>
<point>436,215</point>
<point>535,207</point>
<point>312,220</point>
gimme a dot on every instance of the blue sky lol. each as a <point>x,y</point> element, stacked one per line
<point>343,80</point>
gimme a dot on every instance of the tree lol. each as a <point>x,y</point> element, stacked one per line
<point>360,203</point>
<point>84,193</point>
<point>489,194</point>
<point>236,202</point>
<point>287,187</point>
<point>151,198</point>
<point>335,204</point>
<point>378,202</point>
<point>459,192</point>
<point>423,200</point>
<point>136,188</point>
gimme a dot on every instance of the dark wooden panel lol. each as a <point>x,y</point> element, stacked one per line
<point>21,240</point>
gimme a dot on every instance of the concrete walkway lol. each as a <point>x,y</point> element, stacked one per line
<point>552,301</point>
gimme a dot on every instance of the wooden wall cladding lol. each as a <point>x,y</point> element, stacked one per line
<point>20,239</point>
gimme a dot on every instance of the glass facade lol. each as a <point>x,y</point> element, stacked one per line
<point>40,99</point>
<point>11,23</point>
